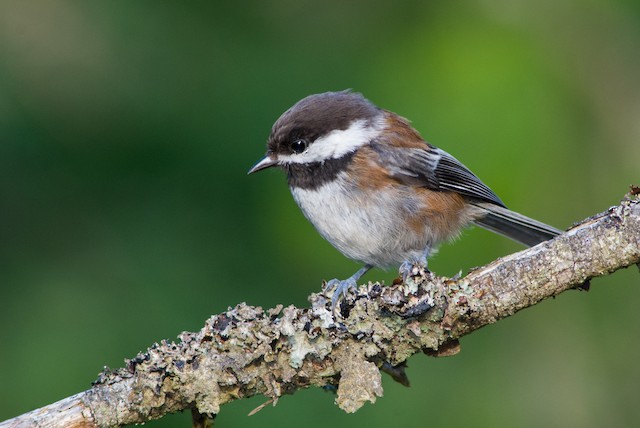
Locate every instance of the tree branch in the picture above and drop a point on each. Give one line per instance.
(247, 350)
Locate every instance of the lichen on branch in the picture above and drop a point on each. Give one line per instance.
(247, 350)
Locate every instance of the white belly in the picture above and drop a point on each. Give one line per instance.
(364, 227)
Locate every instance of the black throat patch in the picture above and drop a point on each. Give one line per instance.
(315, 174)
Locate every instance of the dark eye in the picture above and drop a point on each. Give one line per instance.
(299, 146)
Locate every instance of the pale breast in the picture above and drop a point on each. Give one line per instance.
(371, 227)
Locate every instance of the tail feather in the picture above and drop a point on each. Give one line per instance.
(513, 225)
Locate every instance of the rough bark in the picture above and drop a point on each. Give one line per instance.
(247, 350)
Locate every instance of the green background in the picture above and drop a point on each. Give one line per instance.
(126, 215)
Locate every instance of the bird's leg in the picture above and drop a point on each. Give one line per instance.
(343, 286)
(407, 266)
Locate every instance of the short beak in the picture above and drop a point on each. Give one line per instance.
(264, 163)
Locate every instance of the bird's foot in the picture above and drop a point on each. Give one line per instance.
(408, 269)
(342, 288)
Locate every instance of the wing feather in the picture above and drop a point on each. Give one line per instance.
(435, 169)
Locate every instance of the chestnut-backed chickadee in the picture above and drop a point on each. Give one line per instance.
(376, 190)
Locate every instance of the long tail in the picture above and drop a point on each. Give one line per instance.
(513, 225)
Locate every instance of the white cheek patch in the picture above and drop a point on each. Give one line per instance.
(337, 143)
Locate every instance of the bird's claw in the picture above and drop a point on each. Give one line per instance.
(342, 288)
(406, 269)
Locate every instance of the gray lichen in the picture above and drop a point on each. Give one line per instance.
(247, 351)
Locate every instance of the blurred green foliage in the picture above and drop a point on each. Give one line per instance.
(126, 216)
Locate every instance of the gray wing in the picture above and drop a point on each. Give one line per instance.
(435, 169)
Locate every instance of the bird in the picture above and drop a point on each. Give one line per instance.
(376, 190)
